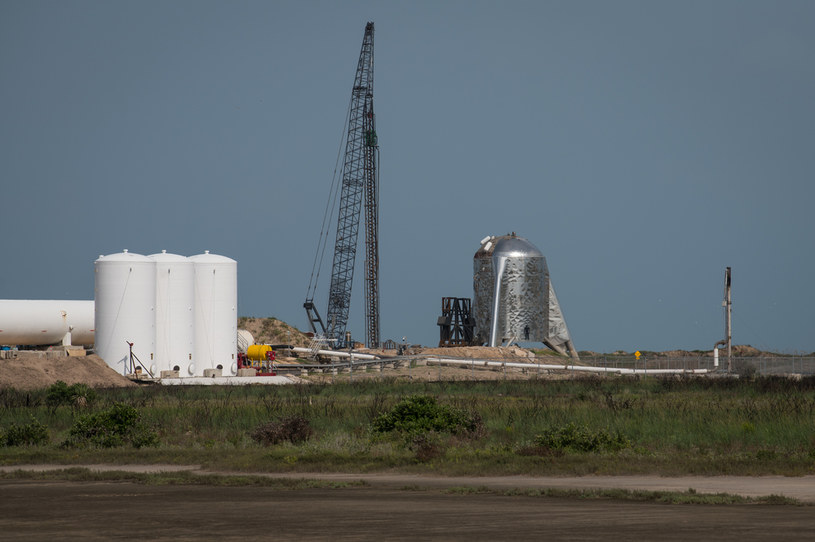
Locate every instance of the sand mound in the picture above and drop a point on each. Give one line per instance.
(34, 370)
(273, 331)
(513, 353)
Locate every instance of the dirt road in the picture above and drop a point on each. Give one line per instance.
(801, 488)
(385, 509)
(105, 511)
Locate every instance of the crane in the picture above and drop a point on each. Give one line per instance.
(360, 188)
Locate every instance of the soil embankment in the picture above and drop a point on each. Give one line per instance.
(35, 370)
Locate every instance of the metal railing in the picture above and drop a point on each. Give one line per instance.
(764, 365)
(745, 366)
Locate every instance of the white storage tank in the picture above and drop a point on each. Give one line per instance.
(125, 294)
(245, 340)
(216, 314)
(38, 322)
(174, 312)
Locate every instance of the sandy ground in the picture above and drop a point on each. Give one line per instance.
(33, 510)
(36, 370)
(33, 370)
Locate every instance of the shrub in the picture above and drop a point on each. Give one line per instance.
(58, 394)
(116, 426)
(76, 395)
(766, 455)
(32, 434)
(426, 446)
(13, 398)
(746, 370)
(581, 439)
(539, 451)
(295, 429)
(422, 413)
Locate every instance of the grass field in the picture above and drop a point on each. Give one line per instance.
(583, 426)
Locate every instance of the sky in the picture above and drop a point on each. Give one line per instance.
(642, 146)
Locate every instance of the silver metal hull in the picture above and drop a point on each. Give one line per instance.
(521, 305)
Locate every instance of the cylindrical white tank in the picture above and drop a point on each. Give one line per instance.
(216, 314)
(174, 312)
(125, 295)
(245, 340)
(36, 322)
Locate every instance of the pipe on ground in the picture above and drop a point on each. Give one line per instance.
(335, 353)
(576, 368)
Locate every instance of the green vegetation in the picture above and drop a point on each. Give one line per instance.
(422, 414)
(581, 439)
(294, 429)
(118, 425)
(75, 396)
(665, 497)
(31, 434)
(672, 426)
(178, 478)
(191, 478)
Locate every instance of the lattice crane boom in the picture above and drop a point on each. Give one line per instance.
(359, 189)
(372, 338)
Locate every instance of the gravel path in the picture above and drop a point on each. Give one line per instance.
(801, 488)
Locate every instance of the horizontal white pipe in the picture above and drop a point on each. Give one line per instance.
(336, 353)
(226, 380)
(580, 368)
(33, 322)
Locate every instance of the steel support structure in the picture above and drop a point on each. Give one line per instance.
(372, 338)
(456, 323)
(359, 181)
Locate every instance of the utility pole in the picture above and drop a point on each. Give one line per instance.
(728, 334)
(727, 330)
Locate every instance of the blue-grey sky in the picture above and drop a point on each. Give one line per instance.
(643, 146)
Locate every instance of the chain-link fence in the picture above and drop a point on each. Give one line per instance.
(775, 365)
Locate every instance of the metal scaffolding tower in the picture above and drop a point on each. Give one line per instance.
(360, 180)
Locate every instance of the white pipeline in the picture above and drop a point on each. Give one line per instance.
(335, 353)
(577, 368)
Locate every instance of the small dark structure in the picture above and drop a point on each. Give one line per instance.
(456, 323)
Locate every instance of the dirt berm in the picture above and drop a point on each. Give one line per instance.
(35, 370)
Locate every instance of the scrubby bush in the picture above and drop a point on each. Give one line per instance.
(426, 446)
(422, 414)
(294, 429)
(76, 395)
(14, 398)
(31, 434)
(118, 425)
(581, 439)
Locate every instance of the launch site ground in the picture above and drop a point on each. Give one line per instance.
(384, 509)
(751, 475)
(34, 370)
